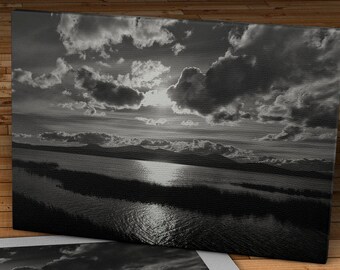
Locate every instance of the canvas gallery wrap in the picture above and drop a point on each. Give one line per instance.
(200, 135)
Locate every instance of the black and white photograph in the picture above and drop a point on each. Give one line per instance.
(100, 256)
(201, 135)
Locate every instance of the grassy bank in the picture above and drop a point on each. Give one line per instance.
(289, 191)
(304, 213)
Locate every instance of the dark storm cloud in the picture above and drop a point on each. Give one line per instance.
(103, 89)
(260, 60)
(225, 116)
(271, 118)
(314, 113)
(81, 138)
(313, 105)
(310, 106)
(229, 116)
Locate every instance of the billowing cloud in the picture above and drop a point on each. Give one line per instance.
(81, 138)
(199, 147)
(77, 105)
(190, 93)
(144, 74)
(155, 143)
(305, 164)
(104, 90)
(313, 105)
(177, 48)
(263, 60)
(43, 81)
(297, 133)
(66, 93)
(189, 123)
(80, 33)
(205, 147)
(230, 114)
(151, 121)
(289, 132)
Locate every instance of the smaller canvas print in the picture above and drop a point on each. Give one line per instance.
(99, 256)
(192, 134)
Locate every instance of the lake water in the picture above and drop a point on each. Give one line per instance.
(170, 174)
(157, 224)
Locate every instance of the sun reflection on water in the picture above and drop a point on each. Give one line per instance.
(161, 173)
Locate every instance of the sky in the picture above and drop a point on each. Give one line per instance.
(101, 256)
(264, 93)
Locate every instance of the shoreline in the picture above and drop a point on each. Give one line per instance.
(304, 213)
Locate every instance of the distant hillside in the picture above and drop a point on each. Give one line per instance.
(161, 155)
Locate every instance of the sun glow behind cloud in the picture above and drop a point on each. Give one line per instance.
(158, 98)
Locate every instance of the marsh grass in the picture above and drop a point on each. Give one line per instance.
(301, 212)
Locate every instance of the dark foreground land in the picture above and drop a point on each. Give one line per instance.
(301, 211)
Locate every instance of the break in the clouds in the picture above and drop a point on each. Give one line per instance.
(43, 81)
(82, 33)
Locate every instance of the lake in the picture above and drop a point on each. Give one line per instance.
(158, 224)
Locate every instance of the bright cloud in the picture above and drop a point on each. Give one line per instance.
(177, 48)
(189, 123)
(151, 121)
(144, 74)
(78, 37)
(43, 81)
